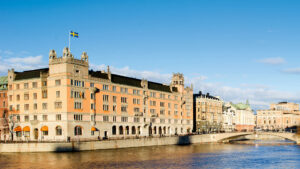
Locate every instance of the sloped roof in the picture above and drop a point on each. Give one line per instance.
(30, 74)
(124, 80)
(3, 80)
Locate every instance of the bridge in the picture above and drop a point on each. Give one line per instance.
(225, 137)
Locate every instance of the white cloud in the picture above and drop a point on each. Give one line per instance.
(272, 61)
(259, 96)
(31, 60)
(20, 63)
(292, 70)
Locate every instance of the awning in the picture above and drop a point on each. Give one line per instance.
(93, 129)
(27, 128)
(44, 128)
(18, 129)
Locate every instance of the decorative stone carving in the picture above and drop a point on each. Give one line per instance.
(52, 54)
(84, 57)
(67, 53)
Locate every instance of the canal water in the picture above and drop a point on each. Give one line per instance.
(260, 154)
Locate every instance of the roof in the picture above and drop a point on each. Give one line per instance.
(3, 83)
(241, 106)
(30, 74)
(200, 94)
(129, 81)
(3, 80)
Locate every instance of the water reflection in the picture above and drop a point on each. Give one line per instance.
(191, 156)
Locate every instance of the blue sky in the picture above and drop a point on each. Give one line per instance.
(235, 49)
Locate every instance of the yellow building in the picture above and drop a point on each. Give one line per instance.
(69, 101)
(279, 117)
(207, 113)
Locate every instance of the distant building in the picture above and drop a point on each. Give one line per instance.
(67, 101)
(4, 128)
(279, 117)
(207, 113)
(229, 117)
(244, 117)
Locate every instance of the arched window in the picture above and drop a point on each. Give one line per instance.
(58, 130)
(114, 130)
(77, 131)
(133, 130)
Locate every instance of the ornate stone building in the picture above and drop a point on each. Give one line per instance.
(244, 117)
(279, 117)
(207, 113)
(4, 130)
(69, 101)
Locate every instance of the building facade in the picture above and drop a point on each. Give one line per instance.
(244, 117)
(279, 117)
(67, 101)
(229, 117)
(207, 113)
(4, 128)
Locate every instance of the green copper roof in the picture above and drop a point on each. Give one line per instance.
(3, 83)
(241, 106)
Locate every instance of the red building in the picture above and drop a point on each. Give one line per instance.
(4, 128)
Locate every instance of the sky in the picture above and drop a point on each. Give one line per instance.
(234, 49)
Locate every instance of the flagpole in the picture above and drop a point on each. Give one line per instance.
(69, 41)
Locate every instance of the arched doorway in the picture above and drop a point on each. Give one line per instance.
(114, 130)
(121, 130)
(36, 133)
(154, 130)
(165, 130)
(133, 131)
(150, 130)
(159, 131)
(127, 130)
(77, 131)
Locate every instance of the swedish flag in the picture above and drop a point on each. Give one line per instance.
(74, 34)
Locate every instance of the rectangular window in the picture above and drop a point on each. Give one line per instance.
(152, 111)
(10, 97)
(124, 109)
(45, 117)
(58, 105)
(44, 83)
(115, 99)
(18, 97)
(105, 87)
(44, 94)
(92, 84)
(34, 84)
(114, 119)
(105, 118)
(92, 96)
(92, 106)
(124, 119)
(57, 94)
(58, 117)
(78, 117)
(35, 117)
(34, 106)
(73, 83)
(57, 82)
(114, 88)
(114, 108)
(77, 105)
(123, 100)
(105, 107)
(25, 85)
(26, 107)
(18, 86)
(169, 105)
(18, 118)
(26, 96)
(136, 110)
(105, 98)
(162, 104)
(136, 119)
(18, 107)
(44, 105)
(35, 96)
(162, 112)
(26, 118)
